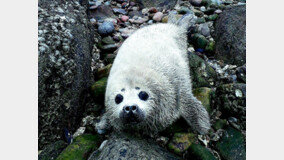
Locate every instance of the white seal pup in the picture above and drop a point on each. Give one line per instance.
(149, 84)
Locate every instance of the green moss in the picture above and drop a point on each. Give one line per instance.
(200, 20)
(203, 94)
(198, 152)
(210, 48)
(98, 89)
(199, 41)
(213, 17)
(219, 124)
(103, 72)
(181, 142)
(179, 126)
(232, 145)
(81, 148)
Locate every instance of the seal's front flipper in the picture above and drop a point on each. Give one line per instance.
(196, 116)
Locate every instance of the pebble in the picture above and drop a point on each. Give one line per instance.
(124, 18)
(119, 10)
(106, 28)
(158, 16)
(204, 29)
(195, 2)
(218, 11)
(202, 9)
(153, 10)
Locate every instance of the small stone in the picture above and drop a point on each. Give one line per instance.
(108, 40)
(119, 10)
(219, 124)
(204, 29)
(195, 2)
(165, 19)
(124, 18)
(158, 16)
(212, 17)
(153, 10)
(218, 11)
(181, 142)
(238, 93)
(202, 9)
(106, 28)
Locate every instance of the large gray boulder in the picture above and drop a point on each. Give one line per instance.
(64, 66)
(125, 146)
(230, 35)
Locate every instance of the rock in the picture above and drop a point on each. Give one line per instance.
(158, 16)
(212, 17)
(153, 10)
(103, 72)
(124, 18)
(165, 19)
(66, 49)
(108, 40)
(126, 146)
(119, 11)
(203, 94)
(210, 48)
(232, 145)
(200, 20)
(231, 100)
(241, 74)
(202, 9)
(198, 13)
(157, 3)
(204, 29)
(201, 73)
(195, 2)
(184, 10)
(178, 126)
(199, 41)
(230, 35)
(81, 147)
(181, 142)
(219, 124)
(106, 28)
(102, 12)
(199, 152)
(135, 13)
(98, 89)
(52, 151)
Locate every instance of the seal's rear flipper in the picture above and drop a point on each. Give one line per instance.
(196, 116)
(185, 22)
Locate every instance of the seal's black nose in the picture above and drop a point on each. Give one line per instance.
(131, 114)
(129, 109)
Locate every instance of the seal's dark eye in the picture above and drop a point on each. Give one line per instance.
(143, 95)
(118, 98)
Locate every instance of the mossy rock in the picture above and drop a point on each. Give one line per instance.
(181, 142)
(203, 94)
(98, 90)
(52, 151)
(200, 20)
(165, 19)
(199, 152)
(103, 72)
(232, 145)
(210, 48)
(212, 17)
(219, 124)
(199, 41)
(81, 148)
(108, 40)
(179, 126)
(202, 74)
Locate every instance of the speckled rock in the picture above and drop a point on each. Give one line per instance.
(123, 146)
(81, 148)
(230, 35)
(232, 145)
(202, 74)
(66, 40)
(231, 100)
(52, 151)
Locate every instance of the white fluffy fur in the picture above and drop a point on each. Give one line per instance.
(155, 59)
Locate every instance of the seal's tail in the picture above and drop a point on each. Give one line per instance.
(185, 22)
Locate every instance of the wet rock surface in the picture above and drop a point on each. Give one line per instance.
(78, 41)
(66, 39)
(230, 35)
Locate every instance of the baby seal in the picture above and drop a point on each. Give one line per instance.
(149, 84)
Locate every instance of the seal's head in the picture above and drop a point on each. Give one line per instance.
(137, 101)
